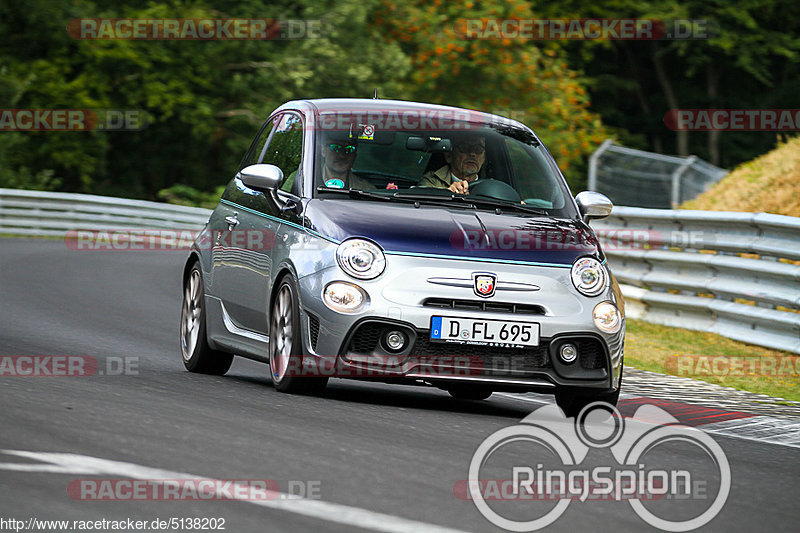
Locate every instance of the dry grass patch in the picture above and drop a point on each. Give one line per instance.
(770, 183)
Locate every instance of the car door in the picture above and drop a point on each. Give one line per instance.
(286, 152)
(243, 258)
(241, 249)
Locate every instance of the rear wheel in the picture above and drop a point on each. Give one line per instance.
(198, 356)
(285, 346)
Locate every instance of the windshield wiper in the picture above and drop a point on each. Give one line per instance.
(443, 201)
(502, 204)
(355, 193)
(469, 202)
(482, 200)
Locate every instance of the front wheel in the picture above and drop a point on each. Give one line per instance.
(198, 356)
(573, 403)
(285, 347)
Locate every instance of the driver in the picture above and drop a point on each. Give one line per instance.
(463, 165)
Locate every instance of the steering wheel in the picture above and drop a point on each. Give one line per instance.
(492, 188)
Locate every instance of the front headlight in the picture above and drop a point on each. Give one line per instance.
(589, 276)
(607, 317)
(361, 259)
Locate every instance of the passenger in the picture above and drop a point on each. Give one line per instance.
(463, 165)
(337, 171)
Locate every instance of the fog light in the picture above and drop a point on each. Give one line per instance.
(344, 297)
(395, 341)
(607, 317)
(568, 353)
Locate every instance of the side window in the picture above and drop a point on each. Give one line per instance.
(285, 150)
(256, 152)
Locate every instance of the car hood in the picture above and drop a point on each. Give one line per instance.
(453, 232)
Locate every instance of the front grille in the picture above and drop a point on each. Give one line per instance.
(484, 305)
(366, 338)
(591, 353)
(493, 360)
(313, 326)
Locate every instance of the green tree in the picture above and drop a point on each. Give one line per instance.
(204, 99)
(527, 80)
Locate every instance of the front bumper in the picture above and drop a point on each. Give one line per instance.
(404, 299)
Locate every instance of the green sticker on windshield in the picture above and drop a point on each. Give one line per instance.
(335, 184)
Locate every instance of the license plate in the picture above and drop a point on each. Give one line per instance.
(500, 333)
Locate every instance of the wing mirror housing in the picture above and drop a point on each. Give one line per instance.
(261, 176)
(593, 205)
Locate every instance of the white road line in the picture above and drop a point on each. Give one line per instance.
(49, 469)
(522, 398)
(327, 511)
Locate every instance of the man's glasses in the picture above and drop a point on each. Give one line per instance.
(342, 148)
(476, 148)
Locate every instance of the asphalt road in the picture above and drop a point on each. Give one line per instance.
(378, 457)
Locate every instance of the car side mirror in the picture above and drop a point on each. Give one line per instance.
(594, 205)
(261, 176)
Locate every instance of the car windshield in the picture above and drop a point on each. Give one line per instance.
(504, 165)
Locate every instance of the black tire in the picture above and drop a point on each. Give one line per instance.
(573, 403)
(198, 356)
(285, 345)
(469, 392)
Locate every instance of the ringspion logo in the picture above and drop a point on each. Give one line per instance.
(556, 447)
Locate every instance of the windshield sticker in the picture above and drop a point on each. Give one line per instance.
(368, 133)
(335, 184)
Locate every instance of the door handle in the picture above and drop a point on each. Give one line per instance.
(232, 221)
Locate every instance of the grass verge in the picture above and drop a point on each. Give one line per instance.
(767, 183)
(712, 358)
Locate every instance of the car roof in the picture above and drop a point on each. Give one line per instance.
(366, 105)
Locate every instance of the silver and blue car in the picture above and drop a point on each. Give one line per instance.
(405, 243)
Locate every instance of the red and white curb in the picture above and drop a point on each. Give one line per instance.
(712, 408)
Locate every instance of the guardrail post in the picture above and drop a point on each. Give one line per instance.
(676, 180)
(592, 182)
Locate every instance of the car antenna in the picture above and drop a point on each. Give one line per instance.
(375, 94)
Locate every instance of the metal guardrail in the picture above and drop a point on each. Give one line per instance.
(634, 177)
(40, 213)
(736, 274)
